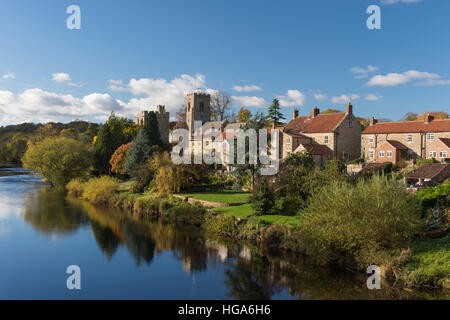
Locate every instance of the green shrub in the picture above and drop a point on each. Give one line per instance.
(430, 196)
(262, 198)
(76, 187)
(221, 225)
(356, 224)
(101, 190)
(422, 161)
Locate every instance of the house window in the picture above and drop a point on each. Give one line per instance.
(325, 140)
(433, 154)
(350, 124)
(430, 136)
(389, 154)
(381, 154)
(288, 140)
(371, 138)
(371, 154)
(443, 154)
(202, 106)
(409, 138)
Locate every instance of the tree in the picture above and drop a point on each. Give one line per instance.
(118, 159)
(58, 160)
(152, 130)
(257, 122)
(262, 198)
(274, 112)
(220, 105)
(180, 117)
(244, 114)
(110, 137)
(138, 152)
(410, 116)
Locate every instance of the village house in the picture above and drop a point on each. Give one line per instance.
(405, 140)
(324, 136)
(428, 175)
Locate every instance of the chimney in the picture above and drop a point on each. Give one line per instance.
(373, 121)
(429, 118)
(315, 111)
(295, 114)
(349, 108)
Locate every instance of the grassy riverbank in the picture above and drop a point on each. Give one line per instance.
(417, 263)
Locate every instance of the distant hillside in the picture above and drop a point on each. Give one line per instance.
(14, 139)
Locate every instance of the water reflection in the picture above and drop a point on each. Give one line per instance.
(248, 272)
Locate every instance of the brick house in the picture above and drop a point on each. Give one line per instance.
(339, 135)
(439, 149)
(391, 151)
(416, 136)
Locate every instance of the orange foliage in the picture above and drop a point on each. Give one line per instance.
(118, 159)
(437, 115)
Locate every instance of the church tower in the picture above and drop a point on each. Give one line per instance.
(198, 107)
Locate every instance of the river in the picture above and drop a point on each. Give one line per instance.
(42, 232)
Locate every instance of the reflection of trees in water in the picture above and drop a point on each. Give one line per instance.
(106, 239)
(250, 272)
(48, 212)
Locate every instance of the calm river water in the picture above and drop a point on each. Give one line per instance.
(42, 232)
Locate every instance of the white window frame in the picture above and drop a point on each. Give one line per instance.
(432, 154)
(443, 154)
(371, 154)
(371, 138)
(430, 136)
(326, 140)
(288, 140)
(381, 154)
(389, 154)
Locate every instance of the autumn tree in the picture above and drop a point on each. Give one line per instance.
(244, 114)
(58, 160)
(118, 159)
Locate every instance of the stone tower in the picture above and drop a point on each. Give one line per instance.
(198, 107)
(163, 122)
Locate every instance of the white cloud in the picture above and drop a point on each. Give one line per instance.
(249, 101)
(395, 79)
(319, 96)
(397, 1)
(363, 72)
(345, 98)
(37, 105)
(61, 77)
(292, 98)
(9, 75)
(247, 88)
(373, 97)
(116, 85)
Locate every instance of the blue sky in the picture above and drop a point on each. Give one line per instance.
(132, 55)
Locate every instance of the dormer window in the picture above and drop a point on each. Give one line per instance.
(430, 136)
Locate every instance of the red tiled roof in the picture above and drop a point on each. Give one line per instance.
(428, 170)
(397, 145)
(409, 126)
(445, 141)
(322, 123)
(317, 149)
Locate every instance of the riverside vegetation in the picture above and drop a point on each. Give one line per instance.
(333, 218)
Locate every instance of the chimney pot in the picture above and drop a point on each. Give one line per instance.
(295, 114)
(349, 108)
(373, 121)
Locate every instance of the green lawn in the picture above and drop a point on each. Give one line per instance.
(291, 221)
(430, 261)
(221, 196)
(242, 211)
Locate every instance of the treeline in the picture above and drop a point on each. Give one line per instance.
(15, 139)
